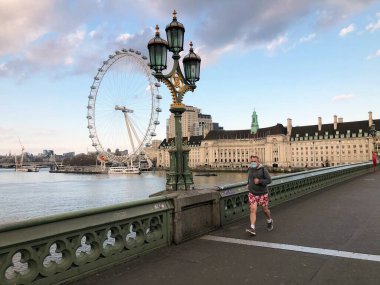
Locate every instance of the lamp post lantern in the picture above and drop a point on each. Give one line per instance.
(179, 176)
(373, 132)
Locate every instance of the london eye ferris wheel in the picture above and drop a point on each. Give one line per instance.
(123, 106)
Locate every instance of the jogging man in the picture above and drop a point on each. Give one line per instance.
(258, 179)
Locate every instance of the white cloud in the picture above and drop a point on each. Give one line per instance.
(92, 33)
(36, 36)
(75, 38)
(307, 38)
(375, 25)
(274, 44)
(124, 37)
(69, 60)
(3, 67)
(342, 97)
(372, 56)
(345, 31)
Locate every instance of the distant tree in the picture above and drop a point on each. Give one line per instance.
(82, 160)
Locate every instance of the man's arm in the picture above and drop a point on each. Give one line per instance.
(266, 179)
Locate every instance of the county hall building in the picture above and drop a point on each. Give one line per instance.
(287, 146)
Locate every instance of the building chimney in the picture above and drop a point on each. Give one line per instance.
(289, 127)
(335, 122)
(370, 121)
(319, 124)
(340, 120)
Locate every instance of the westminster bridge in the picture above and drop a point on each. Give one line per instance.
(327, 231)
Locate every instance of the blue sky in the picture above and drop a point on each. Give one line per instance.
(285, 59)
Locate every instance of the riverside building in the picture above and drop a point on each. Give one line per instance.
(194, 123)
(282, 146)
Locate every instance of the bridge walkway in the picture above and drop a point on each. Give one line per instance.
(327, 237)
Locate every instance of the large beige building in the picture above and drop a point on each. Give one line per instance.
(316, 145)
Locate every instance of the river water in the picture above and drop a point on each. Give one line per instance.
(27, 195)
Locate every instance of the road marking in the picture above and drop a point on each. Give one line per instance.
(314, 250)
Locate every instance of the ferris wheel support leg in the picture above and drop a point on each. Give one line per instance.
(134, 132)
(129, 131)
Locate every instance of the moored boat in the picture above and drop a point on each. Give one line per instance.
(124, 170)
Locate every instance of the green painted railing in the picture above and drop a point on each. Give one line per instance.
(61, 248)
(234, 198)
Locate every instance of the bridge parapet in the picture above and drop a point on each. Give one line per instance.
(234, 199)
(57, 249)
(64, 247)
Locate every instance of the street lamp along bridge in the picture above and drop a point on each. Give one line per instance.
(374, 133)
(179, 176)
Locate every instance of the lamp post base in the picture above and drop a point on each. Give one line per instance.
(177, 180)
(179, 176)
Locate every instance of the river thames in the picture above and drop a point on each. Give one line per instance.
(27, 195)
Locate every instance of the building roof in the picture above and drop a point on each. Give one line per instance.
(200, 115)
(353, 127)
(278, 129)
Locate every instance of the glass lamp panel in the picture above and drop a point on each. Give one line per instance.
(197, 70)
(169, 38)
(152, 57)
(164, 56)
(180, 40)
(158, 57)
(175, 39)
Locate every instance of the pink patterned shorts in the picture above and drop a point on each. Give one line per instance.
(261, 200)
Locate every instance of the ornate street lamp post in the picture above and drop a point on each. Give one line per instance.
(179, 176)
(372, 132)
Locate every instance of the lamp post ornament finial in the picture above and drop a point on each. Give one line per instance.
(174, 15)
(157, 30)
